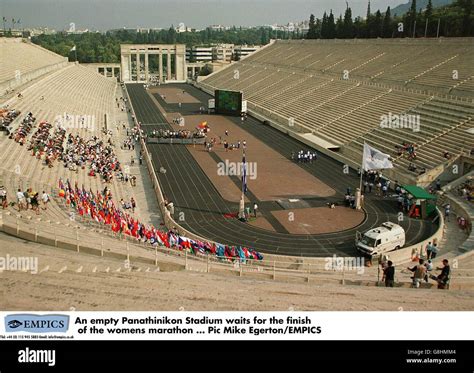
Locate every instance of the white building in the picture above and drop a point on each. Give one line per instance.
(241, 51)
(199, 54)
(223, 52)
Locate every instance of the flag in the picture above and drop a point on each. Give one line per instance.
(244, 175)
(373, 159)
(73, 49)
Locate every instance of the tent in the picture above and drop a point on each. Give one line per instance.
(422, 207)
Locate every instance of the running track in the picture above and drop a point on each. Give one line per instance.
(202, 207)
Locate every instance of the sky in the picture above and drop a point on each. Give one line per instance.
(109, 14)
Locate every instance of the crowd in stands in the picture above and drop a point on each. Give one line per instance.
(23, 129)
(100, 207)
(466, 190)
(100, 156)
(408, 149)
(46, 145)
(7, 116)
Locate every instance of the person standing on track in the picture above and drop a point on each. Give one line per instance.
(255, 208)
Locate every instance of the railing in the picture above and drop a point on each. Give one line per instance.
(134, 254)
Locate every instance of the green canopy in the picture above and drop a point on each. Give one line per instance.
(417, 192)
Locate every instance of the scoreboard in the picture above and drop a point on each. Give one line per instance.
(228, 102)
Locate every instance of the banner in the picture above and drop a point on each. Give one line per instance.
(183, 325)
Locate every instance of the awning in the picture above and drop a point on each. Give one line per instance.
(417, 192)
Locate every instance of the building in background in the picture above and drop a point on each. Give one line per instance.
(241, 51)
(199, 54)
(223, 52)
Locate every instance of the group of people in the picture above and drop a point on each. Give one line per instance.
(421, 272)
(373, 180)
(466, 190)
(179, 121)
(181, 134)
(122, 103)
(7, 116)
(99, 155)
(304, 156)
(29, 198)
(24, 129)
(100, 207)
(46, 145)
(407, 148)
(237, 145)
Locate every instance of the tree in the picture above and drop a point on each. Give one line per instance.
(340, 28)
(324, 27)
(412, 18)
(377, 24)
(387, 24)
(331, 26)
(467, 7)
(312, 28)
(368, 22)
(348, 25)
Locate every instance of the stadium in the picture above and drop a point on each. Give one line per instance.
(144, 190)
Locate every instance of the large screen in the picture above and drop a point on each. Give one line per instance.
(228, 102)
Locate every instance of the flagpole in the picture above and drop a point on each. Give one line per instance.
(361, 168)
(244, 181)
(358, 193)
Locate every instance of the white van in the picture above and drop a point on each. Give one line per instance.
(388, 237)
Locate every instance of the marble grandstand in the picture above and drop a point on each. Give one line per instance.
(300, 80)
(334, 95)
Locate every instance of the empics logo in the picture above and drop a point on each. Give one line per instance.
(37, 323)
(14, 324)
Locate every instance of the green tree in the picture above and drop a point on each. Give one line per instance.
(387, 24)
(324, 26)
(377, 24)
(312, 28)
(368, 22)
(331, 26)
(467, 7)
(348, 24)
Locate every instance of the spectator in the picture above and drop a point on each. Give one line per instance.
(3, 197)
(429, 250)
(20, 198)
(255, 208)
(389, 274)
(447, 211)
(419, 272)
(445, 276)
(45, 199)
(434, 250)
(429, 268)
(35, 203)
